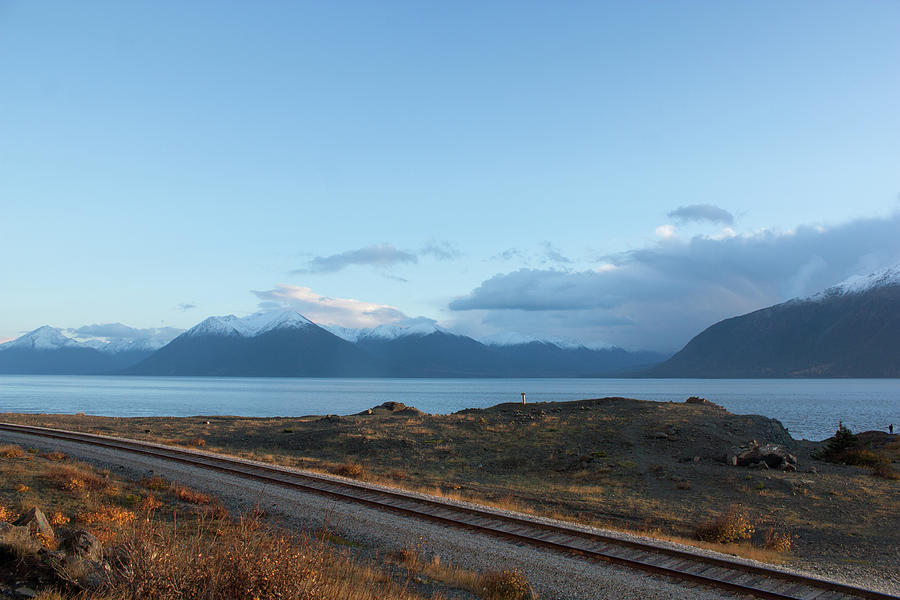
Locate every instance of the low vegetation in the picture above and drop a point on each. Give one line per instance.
(848, 449)
(162, 540)
(646, 467)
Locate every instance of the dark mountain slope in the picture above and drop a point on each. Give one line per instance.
(835, 334)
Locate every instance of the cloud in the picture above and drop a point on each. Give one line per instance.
(378, 255)
(440, 250)
(659, 296)
(118, 331)
(186, 306)
(552, 255)
(546, 254)
(344, 312)
(702, 212)
(666, 232)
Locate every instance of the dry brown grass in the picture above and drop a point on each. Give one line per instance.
(240, 561)
(885, 471)
(105, 514)
(11, 451)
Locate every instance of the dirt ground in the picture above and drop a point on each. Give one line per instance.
(650, 467)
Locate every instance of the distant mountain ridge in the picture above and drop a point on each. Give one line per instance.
(287, 344)
(848, 330)
(47, 351)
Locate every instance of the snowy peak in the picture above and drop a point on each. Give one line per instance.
(512, 338)
(857, 284)
(42, 338)
(418, 327)
(407, 328)
(250, 326)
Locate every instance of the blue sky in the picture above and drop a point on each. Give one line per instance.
(518, 166)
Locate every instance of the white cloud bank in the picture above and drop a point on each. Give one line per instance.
(343, 312)
(660, 296)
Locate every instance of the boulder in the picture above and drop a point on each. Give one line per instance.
(36, 522)
(774, 456)
(82, 543)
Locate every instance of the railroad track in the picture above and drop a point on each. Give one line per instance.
(718, 573)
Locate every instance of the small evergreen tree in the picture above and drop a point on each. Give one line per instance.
(842, 441)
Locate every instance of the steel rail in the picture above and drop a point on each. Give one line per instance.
(720, 573)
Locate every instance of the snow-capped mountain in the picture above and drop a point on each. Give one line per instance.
(858, 284)
(42, 338)
(267, 344)
(389, 331)
(47, 350)
(285, 343)
(249, 326)
(848, 330)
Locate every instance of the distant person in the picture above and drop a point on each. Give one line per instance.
(891, 429)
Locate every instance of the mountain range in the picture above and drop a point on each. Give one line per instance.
(286, 344)
(849, 330)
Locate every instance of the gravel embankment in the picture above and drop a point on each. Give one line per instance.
(554, 575)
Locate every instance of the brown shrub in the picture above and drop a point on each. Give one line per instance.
(505, 585)
(105, 514)
(885, 471)
(148, 504)
(777, 541)
(199, 442)
(11, 451)
(157, 483)
(73, 479)
(6, 514)
(862, 458)
(58, 519)
(349, 469)
(397, 474)
(731, 526)
(192, 496)
(21, 488)
(54, 456)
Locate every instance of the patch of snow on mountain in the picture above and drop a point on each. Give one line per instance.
(858, 284)
(251, 325)
(346, 333)
(42, 338)
(420, 326)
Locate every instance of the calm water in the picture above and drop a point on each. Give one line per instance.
(808, 408)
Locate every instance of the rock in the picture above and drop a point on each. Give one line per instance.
(36, 522)
(697, 400)
(661, 435)
(774, 455)
(696, 459)
(23, 591)
(82, 543)
(812, 470)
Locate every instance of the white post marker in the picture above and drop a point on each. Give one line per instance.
(523, 397)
